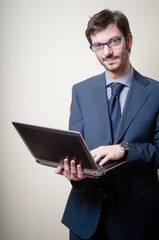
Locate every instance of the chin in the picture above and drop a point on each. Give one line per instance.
(112, 68)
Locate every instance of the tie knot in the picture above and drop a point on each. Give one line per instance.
(116, 88)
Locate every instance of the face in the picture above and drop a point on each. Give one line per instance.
(115, 60)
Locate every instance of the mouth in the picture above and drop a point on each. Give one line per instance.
(110, 59)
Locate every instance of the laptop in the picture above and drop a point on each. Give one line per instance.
(50, 146)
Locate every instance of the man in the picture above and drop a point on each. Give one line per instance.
(124, 203)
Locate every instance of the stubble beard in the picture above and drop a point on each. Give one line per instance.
(115, 67)
(111, 67)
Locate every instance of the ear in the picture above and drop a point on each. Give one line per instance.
(129, 41)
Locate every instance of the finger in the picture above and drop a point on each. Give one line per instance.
(80, 171)
(59, 170)
(104, 160)
(81, 175)
(73, 166)
(66, 164)
(93, 153)
(97, 157)
(67, 171)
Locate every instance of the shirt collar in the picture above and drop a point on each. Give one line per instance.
(126, 80)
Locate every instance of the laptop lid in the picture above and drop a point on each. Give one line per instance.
(50, 146)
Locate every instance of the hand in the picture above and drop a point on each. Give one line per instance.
(72, 171)
(107, 153)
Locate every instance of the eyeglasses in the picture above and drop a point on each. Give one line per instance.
(114, 42)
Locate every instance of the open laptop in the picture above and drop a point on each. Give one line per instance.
(50, 146)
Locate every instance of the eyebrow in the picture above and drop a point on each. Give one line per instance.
(106, 41)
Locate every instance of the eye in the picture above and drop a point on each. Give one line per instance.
(97, 47)
(114, 42)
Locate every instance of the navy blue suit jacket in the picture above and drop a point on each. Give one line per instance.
(137, 181)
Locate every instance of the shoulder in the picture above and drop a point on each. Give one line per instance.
(146, 81)
(90, 82)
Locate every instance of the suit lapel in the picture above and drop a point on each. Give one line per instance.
(136, 97)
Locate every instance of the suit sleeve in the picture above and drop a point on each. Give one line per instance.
(76, 124)
(76, 117)
(145, 153)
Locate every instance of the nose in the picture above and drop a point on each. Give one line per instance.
(107, 51)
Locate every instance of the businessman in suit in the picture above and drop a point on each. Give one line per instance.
(124, 203)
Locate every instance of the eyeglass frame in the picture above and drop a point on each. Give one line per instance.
(106, 43)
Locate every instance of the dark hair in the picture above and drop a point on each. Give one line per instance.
(102, 19)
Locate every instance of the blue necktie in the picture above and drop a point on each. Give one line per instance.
(114, 107)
